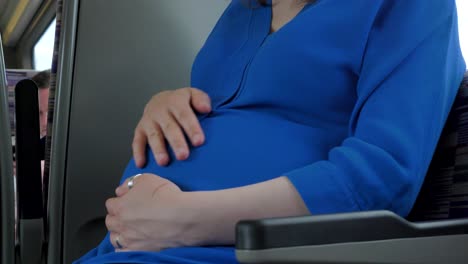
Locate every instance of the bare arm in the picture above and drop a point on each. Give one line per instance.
(217, 212)
(155, 214)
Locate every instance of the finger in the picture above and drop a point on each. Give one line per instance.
(113, 224)
(139, 147)
(112, 206)
(124, 187)
(124, 250)
(110, 223)
(157, 144)
(120, 245)
(112, 238)
(189, 122)
(174, 135)
(200, 101)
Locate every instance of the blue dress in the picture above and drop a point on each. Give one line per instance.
(347, 100)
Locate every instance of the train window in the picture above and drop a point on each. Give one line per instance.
(44, 48)
(463, 25)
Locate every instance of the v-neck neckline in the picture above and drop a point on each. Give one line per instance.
(270, 18)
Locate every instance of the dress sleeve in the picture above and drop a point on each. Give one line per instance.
(411, 70)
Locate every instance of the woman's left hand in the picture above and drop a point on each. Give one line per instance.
(152, 216)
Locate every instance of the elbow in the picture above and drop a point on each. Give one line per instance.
(404, 196)
(401, 191)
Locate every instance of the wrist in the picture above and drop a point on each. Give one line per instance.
(197, 219)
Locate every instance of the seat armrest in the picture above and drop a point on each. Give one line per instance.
(338, 228)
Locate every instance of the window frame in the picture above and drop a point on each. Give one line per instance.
(35, 30)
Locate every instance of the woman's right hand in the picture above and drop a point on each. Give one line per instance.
(168, 116)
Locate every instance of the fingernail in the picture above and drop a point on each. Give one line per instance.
(161, 158)
(181, 153)
(197, 139)
(139, 162)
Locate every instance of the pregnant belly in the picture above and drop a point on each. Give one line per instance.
(245, 147)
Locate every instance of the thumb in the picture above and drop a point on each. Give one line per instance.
(122, 189)
(200, 101)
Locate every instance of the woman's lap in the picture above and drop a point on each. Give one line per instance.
(105, 253)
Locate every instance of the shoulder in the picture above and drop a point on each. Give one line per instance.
(394, 12)
(414, 12)
(409, 22)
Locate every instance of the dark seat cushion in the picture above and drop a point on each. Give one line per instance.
(444, 194)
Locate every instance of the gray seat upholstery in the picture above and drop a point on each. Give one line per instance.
(107, 69)
(435, 232)
(7, 212)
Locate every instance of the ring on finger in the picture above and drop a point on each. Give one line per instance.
(131, 182)
(117, 242)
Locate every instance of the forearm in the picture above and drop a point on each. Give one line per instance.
(217, 212)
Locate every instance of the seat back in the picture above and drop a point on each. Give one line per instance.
(13, 77)
(444, 194)
(109, 66)
(30, 223)
(7, 204)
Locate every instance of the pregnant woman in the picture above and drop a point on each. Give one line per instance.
(297, 108)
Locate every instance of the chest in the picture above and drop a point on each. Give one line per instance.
(307, 67)
(283, 12)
